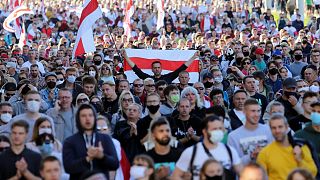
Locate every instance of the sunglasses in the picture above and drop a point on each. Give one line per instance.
(138, 85)
(247, 63)
(150, 85)
(102, 128)
(127, 100)
(105, 68)
(160, 89)
(200, 88)
(82, 100)
(60, 79)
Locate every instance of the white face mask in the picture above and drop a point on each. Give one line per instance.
(314, 88)
(137, 172)
(33, 106)
(6, 117)
(303, 89)
(92, 73)
(45, 130)
(216, 136)
(218, 79)
(59, 82)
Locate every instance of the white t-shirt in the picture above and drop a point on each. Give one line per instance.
(220, 153)
(40, 66)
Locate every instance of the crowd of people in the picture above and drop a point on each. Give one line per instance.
(254, 113)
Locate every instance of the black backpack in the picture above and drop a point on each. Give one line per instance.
(228, 173)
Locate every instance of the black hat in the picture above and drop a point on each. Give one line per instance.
(289, 83)
(10, 86)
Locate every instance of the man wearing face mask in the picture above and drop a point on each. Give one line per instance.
(172, 95)
(97, 60)
(251, 137)
(192, 159)
(69, 83)
(6, 112)
(164, 155)
(300, 121)
(153, 106)
(298, 64)
(312, 131)
(33, 102)
(50, 93)
(290, 98)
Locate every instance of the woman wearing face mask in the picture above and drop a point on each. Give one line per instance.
(212, 170)
(44, 142)
(93, 72)
(143, 168)
(97, 104)
(315, 87)
(106, 74)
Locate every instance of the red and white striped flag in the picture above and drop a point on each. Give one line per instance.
(84, 41)
(19, 11)
(127, 18)
(160, 6)
(170, 61)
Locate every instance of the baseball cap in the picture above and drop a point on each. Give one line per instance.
(10, 86)
(207, 75)
(259, 51)
(277, 52)
(11, 65)
(289, 83)
(50, 74)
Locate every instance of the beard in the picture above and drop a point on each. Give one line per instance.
(163, 141)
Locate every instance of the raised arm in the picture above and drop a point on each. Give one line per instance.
(131, 63)
(187, 63)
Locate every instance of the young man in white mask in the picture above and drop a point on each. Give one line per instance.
(6, 112)
(32, 101)
(211, 147)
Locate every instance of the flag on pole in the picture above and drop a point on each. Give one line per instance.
(84, 41)
(160, 7)
(170, 61)
(21, 10)
(127, 18)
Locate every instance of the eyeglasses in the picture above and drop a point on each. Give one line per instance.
(104, 68)
(247, 63)
(150, 85)
(102, 128)
(82, 100)
(138, 85)
(127, 100)
(200, 88)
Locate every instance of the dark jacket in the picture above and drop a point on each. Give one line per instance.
(75, 152)
(167, 77)
(308, 133)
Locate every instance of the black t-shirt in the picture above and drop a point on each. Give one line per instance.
(168, 160)
(180, 128)
(111, 107)
(8, 162)
(289, 112)
(262, 100)
(298, 122)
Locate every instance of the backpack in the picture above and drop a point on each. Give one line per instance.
(228, 173)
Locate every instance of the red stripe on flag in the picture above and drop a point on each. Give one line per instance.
(144, 63)
(92, 6)
(80, 48)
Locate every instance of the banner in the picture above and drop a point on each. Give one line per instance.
(170, 61)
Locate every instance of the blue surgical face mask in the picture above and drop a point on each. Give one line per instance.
(315, 118)
(46, 148)
(71, 79)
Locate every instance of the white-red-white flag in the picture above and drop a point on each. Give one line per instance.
(84, 41)
(19, 11)
(170, 60)
(160, 7)
(23, 37)
(127, 18)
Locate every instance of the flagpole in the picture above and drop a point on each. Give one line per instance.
(114, 43)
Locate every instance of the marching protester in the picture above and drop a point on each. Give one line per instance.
(151, 74)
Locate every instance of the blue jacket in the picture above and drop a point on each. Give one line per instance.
(74, 156)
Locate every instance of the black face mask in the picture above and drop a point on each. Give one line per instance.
(51, 84)
(208, 84)
(273, 71)
(229, 58)
(153, 109)
(298, 57)
(246, 53)
(288, 94)
(213, 177)
(238, 60)
(97, 63)
(304, 41)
